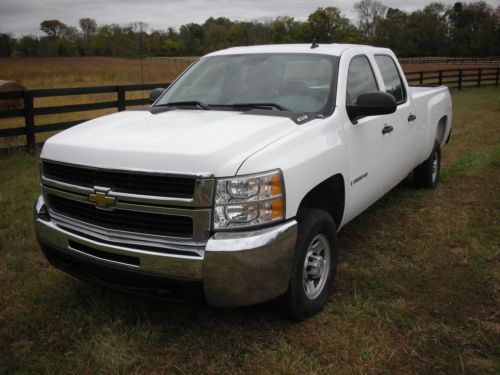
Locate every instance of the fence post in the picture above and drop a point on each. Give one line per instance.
(498, 75)
(421, 78)
(29, 120)
(460, 79)
(440, 77)
(480, 71)
(121, 98)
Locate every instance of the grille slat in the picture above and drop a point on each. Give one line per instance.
(129, 182)
(125, 220)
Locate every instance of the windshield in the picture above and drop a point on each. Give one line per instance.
(291, 82)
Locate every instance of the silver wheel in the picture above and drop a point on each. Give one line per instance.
(316, 266)
(435, 166)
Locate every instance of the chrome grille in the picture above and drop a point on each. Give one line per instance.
(126, 182)
(125, 220)
(172, 220)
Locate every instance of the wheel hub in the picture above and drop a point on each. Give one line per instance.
(435, 166)
(316, 266)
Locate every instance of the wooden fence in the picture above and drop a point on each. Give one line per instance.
(451, 60)
(453, 78)
(29, 111)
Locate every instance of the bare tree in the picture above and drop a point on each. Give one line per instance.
(368, 12)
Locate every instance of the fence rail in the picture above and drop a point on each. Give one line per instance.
(29, 111)
(453, 78)
(493, 60)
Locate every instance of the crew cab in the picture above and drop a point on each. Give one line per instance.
(231, 187)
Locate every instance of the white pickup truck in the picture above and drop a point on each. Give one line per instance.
(232, 186)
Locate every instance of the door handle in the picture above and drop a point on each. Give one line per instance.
(387, 129)
(412, 117)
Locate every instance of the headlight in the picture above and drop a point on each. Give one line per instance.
(249, 200)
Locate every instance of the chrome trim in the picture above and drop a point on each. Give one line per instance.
(203, 194)
(245, 268)
(166, 264)
(125, 237)
(201, 219)
(101, 259)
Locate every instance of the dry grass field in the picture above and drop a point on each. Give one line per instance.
(56, 72)
(418, 285)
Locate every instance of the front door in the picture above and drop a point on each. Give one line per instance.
(370, 164)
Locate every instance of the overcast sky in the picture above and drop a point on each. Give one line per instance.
(21, 17)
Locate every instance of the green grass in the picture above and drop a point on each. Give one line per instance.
(418, 288)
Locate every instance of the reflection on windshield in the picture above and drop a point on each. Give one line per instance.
(296, 82)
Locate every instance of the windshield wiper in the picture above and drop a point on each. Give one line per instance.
(192, 103)
(255, 105)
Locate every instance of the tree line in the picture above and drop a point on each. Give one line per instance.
(463, 29)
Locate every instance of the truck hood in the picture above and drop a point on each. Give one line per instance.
(176, 141)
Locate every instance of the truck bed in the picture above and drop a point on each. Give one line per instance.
(433, 109)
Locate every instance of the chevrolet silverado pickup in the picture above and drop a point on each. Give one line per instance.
(231, 187)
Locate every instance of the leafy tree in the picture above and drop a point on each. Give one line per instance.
(238, 34)
(324, 23)
(53, 28)
(472, 29)
(328, 25)
(27, 46)
(6, 45)
(284, 30)
(155, 41)
(427, 31)
(192, 37)
(171, 47)
(391, 32)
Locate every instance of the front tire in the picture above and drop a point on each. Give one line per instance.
(427, 174)
(315, 263)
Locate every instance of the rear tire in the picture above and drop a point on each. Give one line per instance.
(427, 174)
(315, 263)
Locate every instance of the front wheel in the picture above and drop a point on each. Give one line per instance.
(314, 268)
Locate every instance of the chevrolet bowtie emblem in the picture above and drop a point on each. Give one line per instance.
(101, 199)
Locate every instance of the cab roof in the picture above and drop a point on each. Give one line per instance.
(334, 49)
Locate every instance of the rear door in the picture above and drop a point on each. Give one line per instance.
(403, 138)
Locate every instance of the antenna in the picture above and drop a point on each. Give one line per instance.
(141, 46)
(314, 44)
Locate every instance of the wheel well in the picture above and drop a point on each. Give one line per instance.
(328, 196)
(441, 129)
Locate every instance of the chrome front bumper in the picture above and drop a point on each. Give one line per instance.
(235, 268)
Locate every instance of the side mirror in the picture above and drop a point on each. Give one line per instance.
(372, 104)
(155, 94)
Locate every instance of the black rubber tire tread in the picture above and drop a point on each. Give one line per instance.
(423, 173)
(294, 304)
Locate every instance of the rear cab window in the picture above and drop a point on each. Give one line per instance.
(392, 80)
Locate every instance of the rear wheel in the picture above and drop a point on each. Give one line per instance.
(427, 173)
(314, 267)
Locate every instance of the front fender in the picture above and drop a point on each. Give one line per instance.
(307, 157)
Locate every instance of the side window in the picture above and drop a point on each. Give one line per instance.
(360, 78)
(392, 80)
